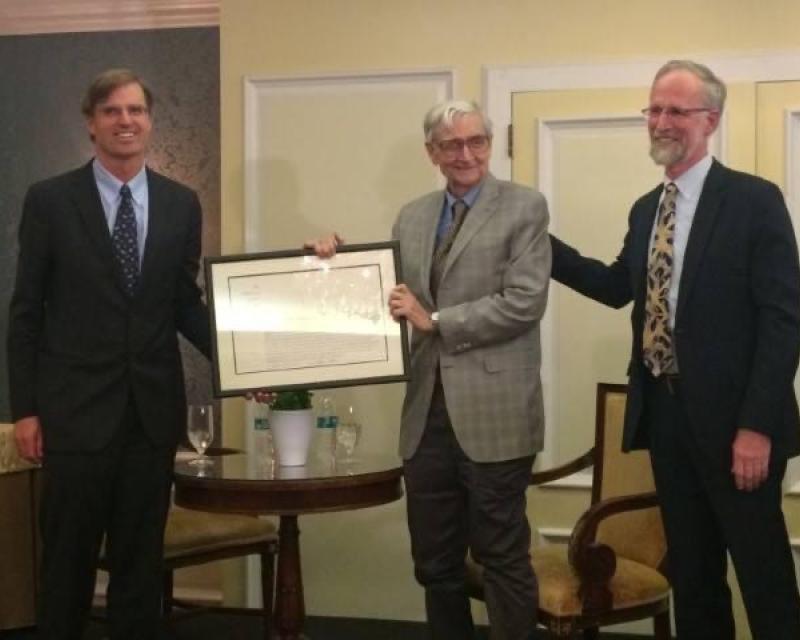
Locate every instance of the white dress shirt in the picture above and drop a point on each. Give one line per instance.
(690, 186)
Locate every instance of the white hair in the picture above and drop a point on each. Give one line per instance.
(444, 113)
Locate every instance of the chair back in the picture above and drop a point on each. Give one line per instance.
(636, 535)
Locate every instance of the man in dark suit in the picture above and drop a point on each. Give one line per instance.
(105, 279)
(711, 265)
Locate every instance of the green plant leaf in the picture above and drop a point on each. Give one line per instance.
(292, 400)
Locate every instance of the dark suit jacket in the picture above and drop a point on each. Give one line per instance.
(737, 327)
(78, 347)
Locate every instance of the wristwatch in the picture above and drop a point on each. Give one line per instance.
(435, 322)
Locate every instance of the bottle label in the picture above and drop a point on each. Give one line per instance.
(261, 424)
(327, 422)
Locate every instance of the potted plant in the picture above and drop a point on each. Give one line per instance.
(292, 424)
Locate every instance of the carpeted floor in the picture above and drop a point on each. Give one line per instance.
(245, 627)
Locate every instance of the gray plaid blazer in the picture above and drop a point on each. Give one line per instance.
(492, 296)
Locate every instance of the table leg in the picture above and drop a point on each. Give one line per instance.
(290, 610)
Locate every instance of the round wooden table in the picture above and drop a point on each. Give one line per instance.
(238, 484)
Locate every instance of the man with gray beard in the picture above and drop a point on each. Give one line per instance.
(710, 263)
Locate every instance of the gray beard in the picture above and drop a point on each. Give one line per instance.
(666, 154)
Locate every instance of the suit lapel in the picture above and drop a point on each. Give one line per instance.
(157, 230)
(87, 200)
(640, 242)
(427, 239)
(485, 207)
(704, 219)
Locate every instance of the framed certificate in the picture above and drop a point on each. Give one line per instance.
(288, 320)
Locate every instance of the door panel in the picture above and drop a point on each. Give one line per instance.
(586, 150)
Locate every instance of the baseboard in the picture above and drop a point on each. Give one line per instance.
(204, 597)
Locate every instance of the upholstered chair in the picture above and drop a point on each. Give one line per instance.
(197, 537)
(19, 546)
(612, 568)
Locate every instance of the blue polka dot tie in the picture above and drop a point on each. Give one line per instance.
(123, 240)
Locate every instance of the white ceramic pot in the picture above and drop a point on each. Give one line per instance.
(291, 435)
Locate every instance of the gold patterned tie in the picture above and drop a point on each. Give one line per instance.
(459, 212)
(657, 339)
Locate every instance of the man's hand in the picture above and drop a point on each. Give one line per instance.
(324, 247)
(404, 304)
(28, 438)
(751, 451)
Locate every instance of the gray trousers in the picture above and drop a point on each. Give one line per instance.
(455, 504)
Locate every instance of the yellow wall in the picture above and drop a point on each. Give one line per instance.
(313, 36)
(297, 37)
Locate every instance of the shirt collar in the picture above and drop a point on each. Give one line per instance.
(137, 184)
(690, 182)
(469, 197)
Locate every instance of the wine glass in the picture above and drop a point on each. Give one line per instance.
(200, 429)
(348, 433)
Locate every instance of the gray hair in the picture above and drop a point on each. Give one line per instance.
(445, 113)
(714, 88)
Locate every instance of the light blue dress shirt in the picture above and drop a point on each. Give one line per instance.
(108, 185)
(447, 208)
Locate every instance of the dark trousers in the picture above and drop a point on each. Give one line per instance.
(122, 492)
(705, 515)
(455, 504)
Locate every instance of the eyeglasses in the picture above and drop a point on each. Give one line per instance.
(673, 113)
(453, 146)
(134, 110)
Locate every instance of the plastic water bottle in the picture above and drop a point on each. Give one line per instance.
(327, 422)
(349, 433)
(262, 435)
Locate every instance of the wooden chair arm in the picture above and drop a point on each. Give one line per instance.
(548, 475)
(596, 563)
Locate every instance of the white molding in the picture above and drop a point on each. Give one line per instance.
(501, 82)
(547, 127)
(791, 483)
(188, 594)
(579, 480)
(260, 88)
(791, 181)
(547, 130)
(19, 17)
(791, 153)
(554, 535)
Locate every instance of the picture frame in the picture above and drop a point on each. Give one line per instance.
(284, 320)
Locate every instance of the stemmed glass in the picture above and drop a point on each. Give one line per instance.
(348, 433)
(200, 429)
